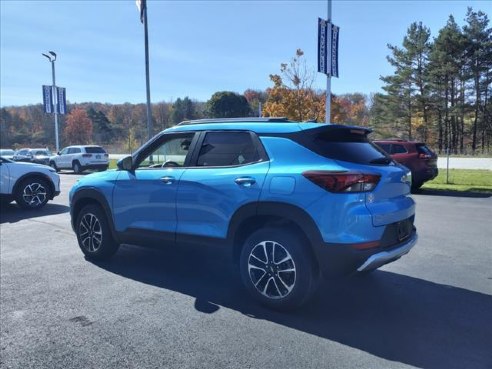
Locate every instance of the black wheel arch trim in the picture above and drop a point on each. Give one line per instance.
(286, 211)
(35, 175)
(92, 195)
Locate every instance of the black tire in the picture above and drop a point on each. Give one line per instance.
(53, 165)
(77, 168)
(94, 235)
(32, 193)
(279, 285)
(416, 186)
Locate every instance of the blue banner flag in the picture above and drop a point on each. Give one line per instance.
(48, 99)
(322, 46)
(335, 31)
(62, 100)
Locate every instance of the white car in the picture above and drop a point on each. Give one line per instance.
(30, 185)
(80, 157)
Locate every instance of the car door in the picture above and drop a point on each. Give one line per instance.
(227, 172)
(144, 199)
(61, 158)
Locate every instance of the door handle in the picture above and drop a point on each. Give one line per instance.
(168, 180)
(245, 181)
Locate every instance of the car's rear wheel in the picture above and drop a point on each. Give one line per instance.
(94, 235)
(276, 268)
(32, 193)
(77, 168)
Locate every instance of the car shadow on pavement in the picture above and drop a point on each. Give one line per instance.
(392, 316)
(11, 213)
(469, 194)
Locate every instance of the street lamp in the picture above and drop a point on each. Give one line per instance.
(52, 57)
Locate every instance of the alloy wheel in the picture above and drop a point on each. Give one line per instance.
(34, 194)
(90, 232)
(272, 269)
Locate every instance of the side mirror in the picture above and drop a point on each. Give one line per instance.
(58, 153)
(125, 163)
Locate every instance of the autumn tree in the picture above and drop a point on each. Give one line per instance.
(256, 100)
(292, 95)
(78, 128)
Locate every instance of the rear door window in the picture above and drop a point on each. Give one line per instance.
(398, 149)
(227, 149)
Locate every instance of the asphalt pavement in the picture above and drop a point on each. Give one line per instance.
(186, 308)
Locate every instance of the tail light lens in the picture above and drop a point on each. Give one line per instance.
(106, 155)
(424, 156)
(86, 155)
(343, 181)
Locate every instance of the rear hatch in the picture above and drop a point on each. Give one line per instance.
(96, 155)
(389, 201)
(427, 154)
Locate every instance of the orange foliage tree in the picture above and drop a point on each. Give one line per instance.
(78, 128)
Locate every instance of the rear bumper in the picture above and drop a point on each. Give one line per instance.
(385, 257)
(342, 259)
(96, 166)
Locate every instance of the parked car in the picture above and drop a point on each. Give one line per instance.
(38, 156)
(30, 185)
(7, 153)
(22, 155)
(416, 156)
(289, 202)
(80, 157)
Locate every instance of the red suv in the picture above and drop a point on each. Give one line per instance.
(416, 156)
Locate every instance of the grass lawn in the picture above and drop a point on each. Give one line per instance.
(462, 180)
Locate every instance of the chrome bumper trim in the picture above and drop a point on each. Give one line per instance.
(384, 257)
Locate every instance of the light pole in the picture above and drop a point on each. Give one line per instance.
(52, 57)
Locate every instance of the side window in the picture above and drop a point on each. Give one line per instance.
(76, 150)
(385, 147)
(226, 149)
(398, 149)
(171, 152)
(64, 151)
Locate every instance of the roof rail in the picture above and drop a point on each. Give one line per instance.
(235, 120)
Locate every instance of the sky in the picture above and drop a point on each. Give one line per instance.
(197, 47)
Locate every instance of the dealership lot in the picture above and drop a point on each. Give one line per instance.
(186, 308)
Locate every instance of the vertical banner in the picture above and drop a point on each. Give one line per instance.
(322, 46)
(62, 100)
(48, 99)
(334, 50)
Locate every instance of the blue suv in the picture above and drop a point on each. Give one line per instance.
(291, 202)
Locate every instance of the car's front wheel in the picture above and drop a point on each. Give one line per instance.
(53, 165)
(277, 269)
(94, 235)
(32, 193)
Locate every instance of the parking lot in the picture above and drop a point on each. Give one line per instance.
(186, 308)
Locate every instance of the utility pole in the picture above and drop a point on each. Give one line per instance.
(147, 78)
(328, 76)
(52, 57)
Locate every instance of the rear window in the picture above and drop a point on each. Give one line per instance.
(422, 149)
(95, 150)
(347, 145)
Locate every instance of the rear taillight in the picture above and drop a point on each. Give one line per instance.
(86, 155)
(424, 156)
(106, 155)
(343, 181)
